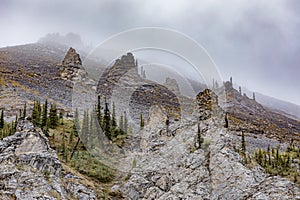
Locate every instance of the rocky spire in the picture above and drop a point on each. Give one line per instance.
(72, 58)
(72, 68)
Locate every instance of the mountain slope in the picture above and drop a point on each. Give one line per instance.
(170, 166)
(248, 115)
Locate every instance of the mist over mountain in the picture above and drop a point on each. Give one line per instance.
(286, 108)
(69, 40)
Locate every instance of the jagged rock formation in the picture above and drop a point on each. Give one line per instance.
(172, 168)
(72, 67)
(172, 85)
(122, 84)
(30, 169)
(207, 104)
(72, 58)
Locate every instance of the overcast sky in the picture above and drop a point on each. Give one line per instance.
(256, 42)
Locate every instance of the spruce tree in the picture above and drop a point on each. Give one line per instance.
(141, 121)
(167, 124)
(2, 119)
(226, 120)
(53, 118)
(243, 147)
(106, 121)
(36, 113)
(44, 114)
(24, 110)
(113, 118)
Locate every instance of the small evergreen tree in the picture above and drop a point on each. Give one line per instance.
(226, 120)
(142, 124)
(53, 118)
(107, 121)
(24, 110)
(243, 147)
(44, 114)
(36, 113)
(2, 119)
(113, 117)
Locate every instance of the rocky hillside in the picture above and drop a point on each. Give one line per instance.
(30, 169)
(31, 72)
(246, 114)
(172, 166)
(39, 71)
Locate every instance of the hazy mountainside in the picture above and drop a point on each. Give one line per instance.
(283, 107)
(31, 72)
(286, 108)
(248, 115)
(178, 155)
(38, 71)
(69, 40)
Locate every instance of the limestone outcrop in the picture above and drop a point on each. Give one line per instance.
(30, 169)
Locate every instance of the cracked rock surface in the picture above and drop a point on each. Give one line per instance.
(172, 168)
(30, 169)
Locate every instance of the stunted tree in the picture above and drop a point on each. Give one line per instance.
(142, 124)
(254, 96)
(2, 120)
(226, 120)
(240, 90)
(24, 110)
(53, 117)
(243, 147)
(106, 121)
(167, 124)
(36, 113)
(121, 123)
(113, 116)
(44, 114)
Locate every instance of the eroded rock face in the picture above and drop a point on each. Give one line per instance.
(122, 82)
(30, 169)
(72, 58)
(172, 168)
(72, 67)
